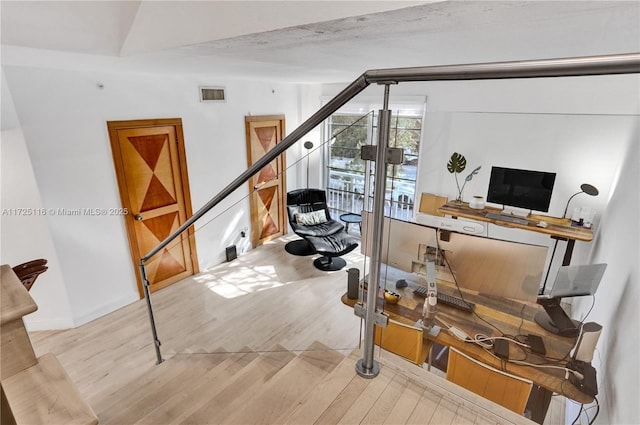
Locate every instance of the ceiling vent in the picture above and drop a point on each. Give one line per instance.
(212, 94)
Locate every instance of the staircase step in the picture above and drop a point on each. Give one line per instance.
(383, 406)
(321, 397)
(150, 379)
(15, 301)
(368, 397)
(233, 395)
(202, 364)
(17, 352)
(282, 393)
(44, 394)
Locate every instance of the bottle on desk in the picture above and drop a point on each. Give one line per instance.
(582, 217)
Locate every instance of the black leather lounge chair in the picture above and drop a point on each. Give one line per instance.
(310, 219)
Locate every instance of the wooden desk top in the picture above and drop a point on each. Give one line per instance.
(557, 227)
(509, 316)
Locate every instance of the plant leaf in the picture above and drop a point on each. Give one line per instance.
(457, 163)
(473, 173)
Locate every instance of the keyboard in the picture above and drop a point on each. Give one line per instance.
(507, 218)
(449, 300)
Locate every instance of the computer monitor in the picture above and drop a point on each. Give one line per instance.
(526, 189)
(571, 281)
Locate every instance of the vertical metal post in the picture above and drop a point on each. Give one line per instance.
(147, 297)
(367, 367)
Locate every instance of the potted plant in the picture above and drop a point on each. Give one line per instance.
(457, 164)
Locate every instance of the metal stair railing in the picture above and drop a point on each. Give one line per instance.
(546, 68)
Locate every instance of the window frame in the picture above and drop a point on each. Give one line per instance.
(411, 108)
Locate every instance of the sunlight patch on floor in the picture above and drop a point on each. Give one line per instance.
(240, 281)
(255, 271)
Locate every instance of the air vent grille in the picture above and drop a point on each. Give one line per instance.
(212, 94)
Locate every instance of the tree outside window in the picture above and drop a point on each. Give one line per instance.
(346, 173)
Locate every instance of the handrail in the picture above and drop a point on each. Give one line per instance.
(564, 67)
(322, 114)
(568, 67)
(583, 66)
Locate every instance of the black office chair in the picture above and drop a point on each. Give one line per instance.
(310, 219)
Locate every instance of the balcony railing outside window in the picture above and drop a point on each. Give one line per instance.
(348, 176)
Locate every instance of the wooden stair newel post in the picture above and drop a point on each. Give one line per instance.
(17, 352)
(34, 390)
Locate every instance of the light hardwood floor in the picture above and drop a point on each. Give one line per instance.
(262, 339)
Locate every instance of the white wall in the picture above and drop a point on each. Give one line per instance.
(63, 116)
(616, 302)
(25, 233)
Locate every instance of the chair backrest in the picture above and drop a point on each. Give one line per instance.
(306, 200)
(500, 387)
(430, 203)
(403, 340)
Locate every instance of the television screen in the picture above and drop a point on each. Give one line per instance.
(521, 188)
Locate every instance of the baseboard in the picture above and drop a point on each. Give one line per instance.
(105, 309)
(47, 325)
(58, 324)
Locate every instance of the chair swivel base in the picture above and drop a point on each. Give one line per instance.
(299, 247)
(329, 264)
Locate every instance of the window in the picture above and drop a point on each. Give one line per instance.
(347, 174)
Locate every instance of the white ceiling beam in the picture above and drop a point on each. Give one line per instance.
(167, 24)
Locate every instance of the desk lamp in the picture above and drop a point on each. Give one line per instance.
(584, 188)
(308, 145)
(301, 246)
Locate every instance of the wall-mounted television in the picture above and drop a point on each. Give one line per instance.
(521, 188)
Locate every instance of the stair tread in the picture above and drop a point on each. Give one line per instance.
(45, 394)
(204, 364)
(155, 377)
(15, 301)
(321, 397)
(385, 403)
(367, 397)
(282, 393)
(232, 395)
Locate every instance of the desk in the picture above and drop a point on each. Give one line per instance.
(560, 228)
(510, 316)
(557, 228)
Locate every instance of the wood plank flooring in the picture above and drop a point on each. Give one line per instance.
(262, 339)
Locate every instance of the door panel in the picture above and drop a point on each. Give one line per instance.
(268, 219)
(152, 178)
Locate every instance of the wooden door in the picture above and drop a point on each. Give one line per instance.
(151, 168)
(268, 217)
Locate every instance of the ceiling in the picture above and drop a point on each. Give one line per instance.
(307, 41)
